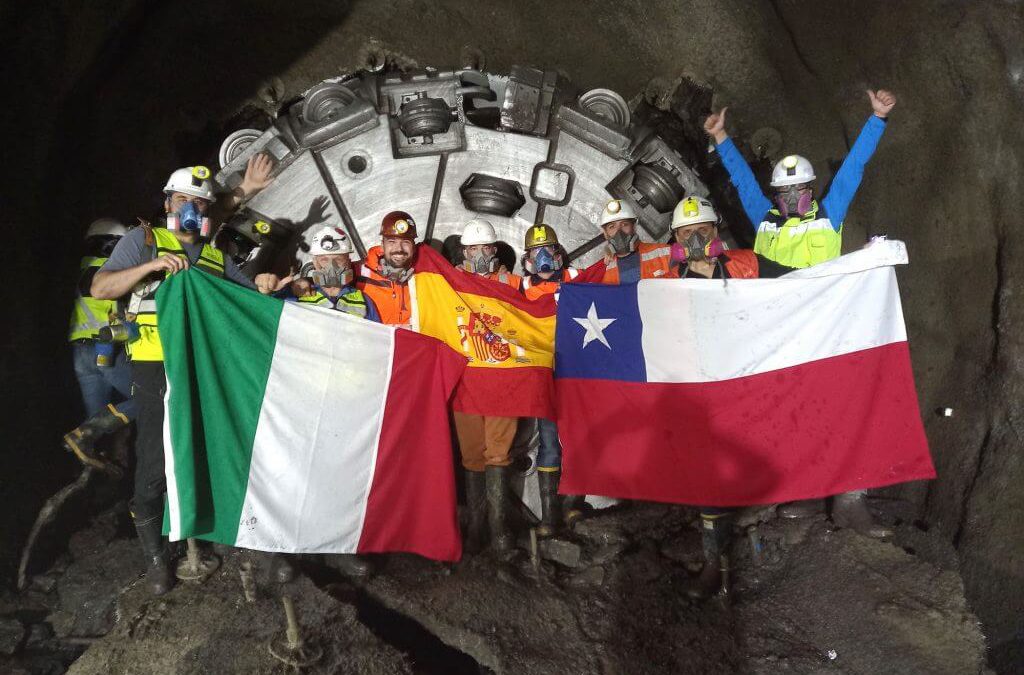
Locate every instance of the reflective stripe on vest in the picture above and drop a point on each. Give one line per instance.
(392, 299)
(353, 302)
(655, 261)
(89, 314)
(147, 347)
(798, 241)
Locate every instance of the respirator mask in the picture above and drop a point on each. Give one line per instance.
(544, 259)
(189, 219)
(335, 275)
(697, 247)
(793, 200)
(481, 263)
(623, 243)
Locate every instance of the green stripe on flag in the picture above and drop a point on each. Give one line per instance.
(218, 340)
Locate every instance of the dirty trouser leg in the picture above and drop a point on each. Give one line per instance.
(716, 536)
(549, 455)
(549, 464)
(119, 377)
(499, 432)
(96, 390)
(470, 431)
(148, 387)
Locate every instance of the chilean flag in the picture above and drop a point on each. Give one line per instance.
(740, 392)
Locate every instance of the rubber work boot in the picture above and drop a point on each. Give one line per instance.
(351, 565)
(498, 508)
(716, 535)
(550, 502)
(807, 508)
(158, 568)
(476, 505)
(850, 509)
(82, 440)
(572, 509)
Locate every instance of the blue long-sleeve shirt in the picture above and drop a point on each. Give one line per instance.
(844, 186)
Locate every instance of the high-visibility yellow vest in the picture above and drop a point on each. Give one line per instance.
(798, 241)
(147, 347)
(352, 302)
(89, 314)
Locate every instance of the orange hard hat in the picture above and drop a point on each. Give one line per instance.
(398, 224)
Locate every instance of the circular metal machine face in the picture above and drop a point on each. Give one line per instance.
(448, 146)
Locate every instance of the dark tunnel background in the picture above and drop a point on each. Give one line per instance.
(103, 99)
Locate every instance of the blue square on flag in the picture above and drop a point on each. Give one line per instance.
(598, 333)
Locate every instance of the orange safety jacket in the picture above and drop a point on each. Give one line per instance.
(738, 263)
(538, 289)
(391, 297)
(502, 276)
(654, 263)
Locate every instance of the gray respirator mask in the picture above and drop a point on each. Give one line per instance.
(334, 276)
(622, 243)
(481, 263)
(696, 246)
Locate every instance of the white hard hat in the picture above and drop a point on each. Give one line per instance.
(693, 210)
(192, 180)
(330, 241)
(478, 231)
(792, 170)
(617, 209)
(106, 227)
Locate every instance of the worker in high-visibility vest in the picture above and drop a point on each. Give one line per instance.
(384, 275)
(793, 228)
(101, 366)
(627, 260)
(328, 280)
(136, 267)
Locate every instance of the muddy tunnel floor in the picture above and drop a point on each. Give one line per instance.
(806, 598)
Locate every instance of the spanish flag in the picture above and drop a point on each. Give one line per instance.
(508, 340)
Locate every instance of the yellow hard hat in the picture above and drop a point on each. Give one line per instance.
(540, 234)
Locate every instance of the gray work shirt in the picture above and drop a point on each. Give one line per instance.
(132, 251)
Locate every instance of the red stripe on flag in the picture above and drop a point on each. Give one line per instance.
(411, 505)
(526, 391)
(816, 429)
(429, 260)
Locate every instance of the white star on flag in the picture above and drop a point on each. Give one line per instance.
(595, 327)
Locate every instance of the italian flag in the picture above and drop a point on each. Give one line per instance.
(299, 429)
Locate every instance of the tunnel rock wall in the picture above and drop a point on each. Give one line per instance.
(112, 95)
